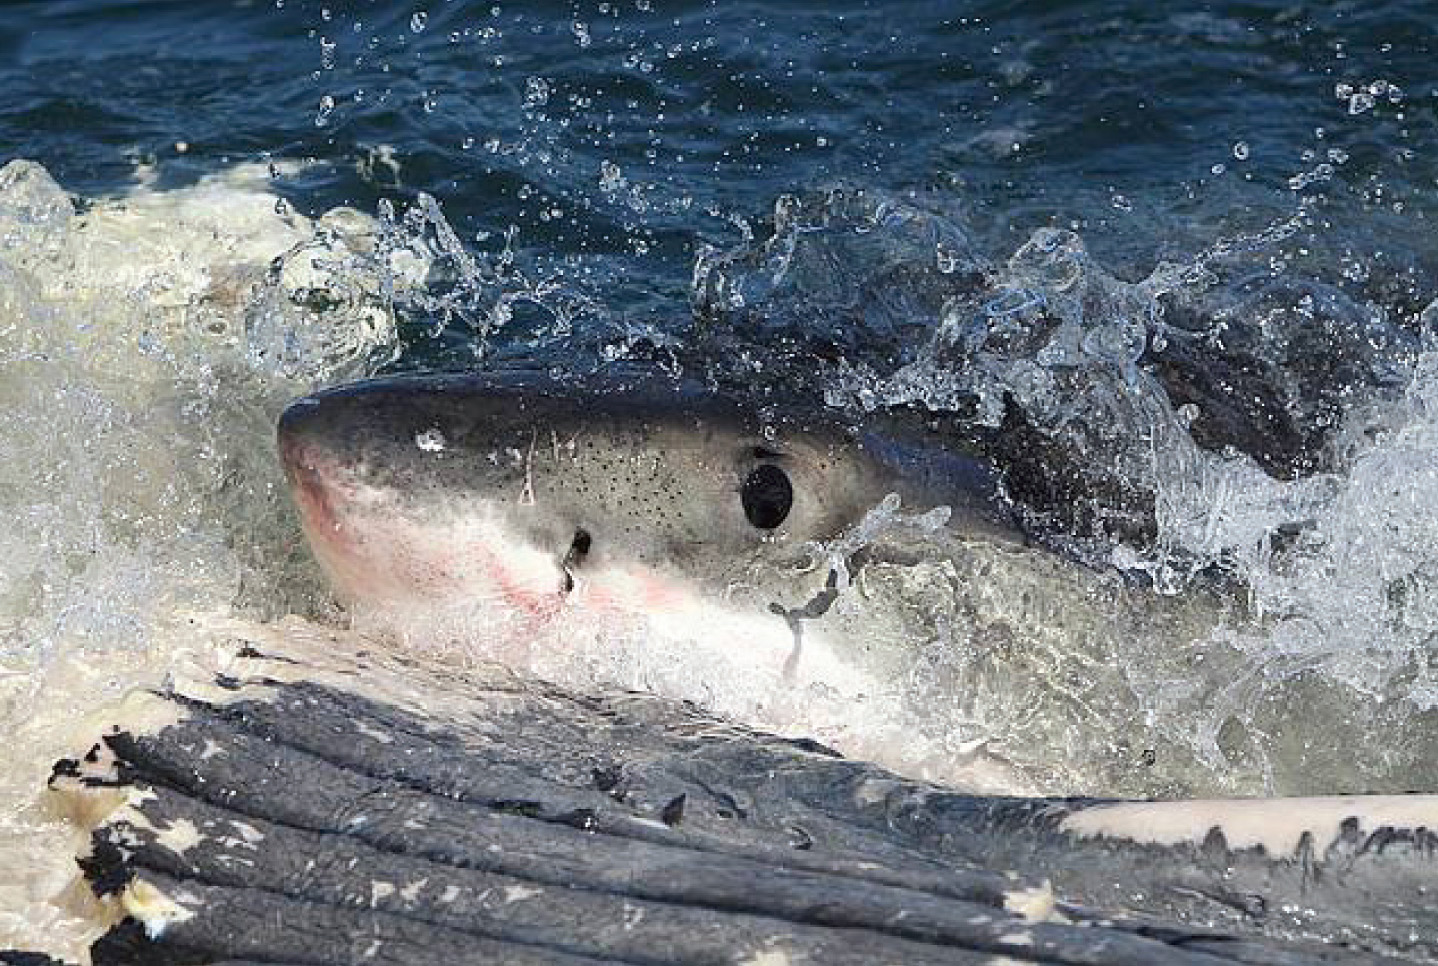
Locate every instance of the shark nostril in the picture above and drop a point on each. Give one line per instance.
(574, 556)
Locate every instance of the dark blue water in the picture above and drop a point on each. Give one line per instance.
(1123, 121)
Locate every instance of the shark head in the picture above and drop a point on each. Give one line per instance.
(527, 491)
(644, 534)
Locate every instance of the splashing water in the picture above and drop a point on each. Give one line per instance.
(148, 342)
(1308, 669)
(146, 345)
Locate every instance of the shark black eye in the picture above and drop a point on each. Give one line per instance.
(767, 496)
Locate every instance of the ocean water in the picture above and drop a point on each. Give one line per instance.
(1173, 272)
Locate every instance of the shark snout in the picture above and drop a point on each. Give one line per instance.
(321, 480)
(387, 499)
(309, 464)
(297, 428)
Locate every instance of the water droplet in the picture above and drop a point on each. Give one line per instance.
(1219, 168)
(536, 92)
(431, 440)
(1360, 102)
(327, 107)
(419, 21)
(610, 177)
(1240, 150)
(1121, 203)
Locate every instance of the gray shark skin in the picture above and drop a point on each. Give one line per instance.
(518, 487)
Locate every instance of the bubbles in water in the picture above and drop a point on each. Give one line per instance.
(1317, 175)
(1241, 150)
(536, 92)
(326, 108)
(418, 21)
(611, 179)
(1362, 98)
(1360, 101)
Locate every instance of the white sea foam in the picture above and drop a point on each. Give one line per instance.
(146, 344)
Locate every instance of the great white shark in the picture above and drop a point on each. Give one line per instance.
(709, 542)
(530, 489)
(696, 542)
